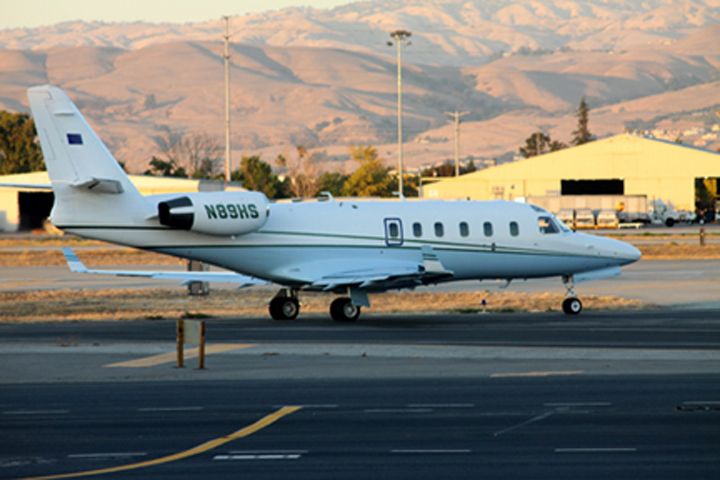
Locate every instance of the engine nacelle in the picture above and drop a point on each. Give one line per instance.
(216, 213)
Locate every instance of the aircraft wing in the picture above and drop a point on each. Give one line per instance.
(186, 277)
(427, 269)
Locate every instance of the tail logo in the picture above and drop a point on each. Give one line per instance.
(74, 139)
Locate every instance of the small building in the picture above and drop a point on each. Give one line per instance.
(624, 164)
(27, 203)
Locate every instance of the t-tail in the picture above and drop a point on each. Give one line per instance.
(89, 185)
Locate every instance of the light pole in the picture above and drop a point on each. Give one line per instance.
(400, 38)
(456, 115)
(226, 57)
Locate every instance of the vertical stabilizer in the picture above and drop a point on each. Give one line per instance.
(89, 185)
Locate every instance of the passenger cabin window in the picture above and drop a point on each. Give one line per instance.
(439, 229)
(417, 229)
(514, 229)
(393, 230)
(464, 229)
(488, 229)
(546, 225)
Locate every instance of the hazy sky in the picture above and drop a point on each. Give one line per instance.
(32, 13)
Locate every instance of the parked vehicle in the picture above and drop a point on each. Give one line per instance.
(584, 218)
(607, 219)
(566, 216)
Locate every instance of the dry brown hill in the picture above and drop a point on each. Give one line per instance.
(325, 79)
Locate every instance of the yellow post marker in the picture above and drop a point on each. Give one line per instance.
(201, 347)
(180, 342)
(195, 335)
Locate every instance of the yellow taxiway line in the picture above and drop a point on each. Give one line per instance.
(170, 357)
(202, 448)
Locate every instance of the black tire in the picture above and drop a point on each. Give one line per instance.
(343, 310)
(572, 306)
(284, 308)
(669, 222)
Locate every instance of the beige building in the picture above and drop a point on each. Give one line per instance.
(27, 203)
(620, 165)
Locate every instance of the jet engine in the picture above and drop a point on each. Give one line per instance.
(215, 213)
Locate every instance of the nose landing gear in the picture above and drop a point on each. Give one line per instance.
(571, 305)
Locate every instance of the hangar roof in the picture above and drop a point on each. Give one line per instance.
(620, 156)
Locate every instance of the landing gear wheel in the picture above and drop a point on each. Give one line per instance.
(572, 306)
(343, 310)
(284, 308)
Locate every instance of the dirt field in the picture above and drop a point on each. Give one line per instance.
(123, 304)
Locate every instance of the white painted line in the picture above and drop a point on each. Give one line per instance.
(526, 422)
(398, 410)
(35, 412)
(170, 409)
(108, 455)
(699, 402)
(537, 374)
(594, 450)
(260, 452)
(257, 457)
(441, 405)
(437, 451)
(577, 404)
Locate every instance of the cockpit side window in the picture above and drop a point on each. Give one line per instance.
(547, 226)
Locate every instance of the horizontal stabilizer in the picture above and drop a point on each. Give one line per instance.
(28, 186)
(185, 277)
(99, 185)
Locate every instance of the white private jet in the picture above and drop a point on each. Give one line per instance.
(347, 247)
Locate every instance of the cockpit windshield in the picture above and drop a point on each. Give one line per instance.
(549, 225)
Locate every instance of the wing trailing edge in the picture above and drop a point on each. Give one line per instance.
(77, 266)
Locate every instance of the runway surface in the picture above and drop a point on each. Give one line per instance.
(614, 427)
(604, 395)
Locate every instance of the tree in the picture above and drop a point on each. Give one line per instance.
(165, 168)
(582, 134)
(539, 143)
(258, 176)
(447, 169)
(303, 173)
(198, 154)
(19, 152)
(705, 195)
(332, 182)
(372, 178)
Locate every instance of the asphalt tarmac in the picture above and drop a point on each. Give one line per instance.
(604, 395)
(595, 427)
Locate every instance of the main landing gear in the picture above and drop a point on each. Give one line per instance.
(343, 310)
(571, 305)
(285, 306)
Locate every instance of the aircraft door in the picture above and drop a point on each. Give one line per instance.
(393, 232)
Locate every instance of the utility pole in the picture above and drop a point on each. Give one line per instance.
(226, 57)
(401, 39)
(456, 115)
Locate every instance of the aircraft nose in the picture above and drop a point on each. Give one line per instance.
(623, 251)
